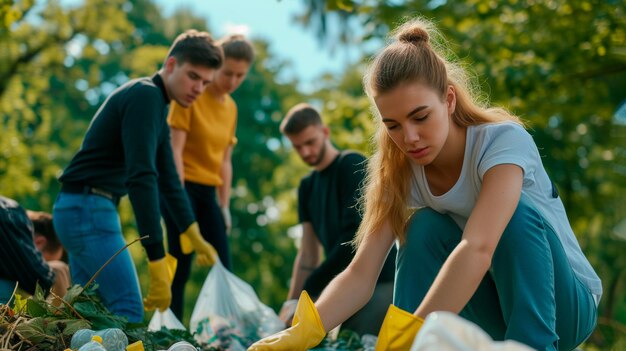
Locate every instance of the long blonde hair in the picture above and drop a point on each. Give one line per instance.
(416, 54)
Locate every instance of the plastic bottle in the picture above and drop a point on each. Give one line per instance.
(81, 337)
(182, 346)
(114, 339)
(94, 345)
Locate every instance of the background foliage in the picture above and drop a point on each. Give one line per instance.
(559, 64)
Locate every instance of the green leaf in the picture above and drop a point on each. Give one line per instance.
(20, 303)
(99, 317)
(344, 5)
(72, 293)
(74, 325)
(33, 330)
(36, 308)
(39, 293)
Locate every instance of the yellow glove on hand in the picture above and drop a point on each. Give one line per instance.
(191, 240)
(161, 277)
(398, 330)
(306, 330)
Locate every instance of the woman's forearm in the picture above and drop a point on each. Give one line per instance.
(353, 288)
(344, 296)
(456, 282)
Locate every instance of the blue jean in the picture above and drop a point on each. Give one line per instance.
(6, 290)
(530, 294)
(89, 228)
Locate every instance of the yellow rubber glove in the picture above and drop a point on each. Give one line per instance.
(398, 330)
(306, 330)
(161, 277)
(191, 240)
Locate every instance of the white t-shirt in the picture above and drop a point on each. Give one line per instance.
(488, 145)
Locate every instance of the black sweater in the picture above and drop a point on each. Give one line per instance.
(127, 150)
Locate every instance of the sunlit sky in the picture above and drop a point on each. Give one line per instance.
(273, 21)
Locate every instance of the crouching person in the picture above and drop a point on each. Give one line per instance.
(22, 263)
(490, 239)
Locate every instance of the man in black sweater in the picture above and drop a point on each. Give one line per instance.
(126, 150)
(327, 199)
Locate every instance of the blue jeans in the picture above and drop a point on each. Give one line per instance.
(6, 290)
(89, 228)
(530, 294)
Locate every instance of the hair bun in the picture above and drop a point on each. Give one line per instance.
(413, 35)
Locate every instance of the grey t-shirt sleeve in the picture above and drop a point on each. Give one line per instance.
(508, 143)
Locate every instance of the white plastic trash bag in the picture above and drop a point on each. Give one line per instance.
(446, 331)
(229, 314)
(165, 319)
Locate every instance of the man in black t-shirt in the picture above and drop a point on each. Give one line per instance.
(127, 150)
(327, 199)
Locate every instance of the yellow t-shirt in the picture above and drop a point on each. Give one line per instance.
(210, 126)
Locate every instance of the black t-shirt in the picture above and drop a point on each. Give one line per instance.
(127, 150)
(21, 261)
(327, 199)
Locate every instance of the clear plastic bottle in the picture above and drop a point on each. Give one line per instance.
(81, 337)
(114, 339)
(94, 345)
(182, 346)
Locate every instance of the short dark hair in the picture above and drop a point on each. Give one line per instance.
(299, 118)
(197, 48)
(42, 223)
(237, 47)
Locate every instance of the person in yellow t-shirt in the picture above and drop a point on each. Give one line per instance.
(203, 137)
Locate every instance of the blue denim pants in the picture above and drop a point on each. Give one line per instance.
(89, 228)
(6, 290)
(530, 294)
